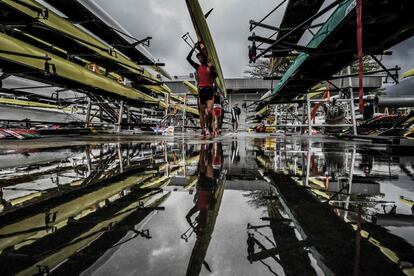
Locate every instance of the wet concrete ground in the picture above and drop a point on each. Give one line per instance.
(241, 204)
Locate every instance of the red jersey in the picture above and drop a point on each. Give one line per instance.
(204, 198)
(205, 76)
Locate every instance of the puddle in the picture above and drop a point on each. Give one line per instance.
(183, 206)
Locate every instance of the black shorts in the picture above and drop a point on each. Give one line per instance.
(206, 183)
(205, 94)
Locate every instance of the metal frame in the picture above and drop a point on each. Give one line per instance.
(300, 26)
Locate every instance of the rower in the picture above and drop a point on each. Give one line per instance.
(206, 76)
(218, 112)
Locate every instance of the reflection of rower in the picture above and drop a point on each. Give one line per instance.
(205, 189)
(210, 188)
(218, 159)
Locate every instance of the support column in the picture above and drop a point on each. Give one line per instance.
(128, 116)
(302, 130)
(121, 111)
(308, 104)
(167, 102)
(308, 163)
(88, 160)
(351, 93)
(184, 152)
(350, 180)
(88, 113)
(120, 158)
(185, 113)
(100, 114)
(276, 116)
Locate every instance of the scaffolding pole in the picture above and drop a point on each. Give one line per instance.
(121, 111)
(351, 92)
(276, 116)
(309, 113)
(88, 113)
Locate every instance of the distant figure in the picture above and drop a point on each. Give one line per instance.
(368, 111)
(206, 76)
(218, 112)
(252, 52)
(235, 117)
(235, 155)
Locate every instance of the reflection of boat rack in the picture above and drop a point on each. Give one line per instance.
(114, 220)
(105, 165)
(340, 234)
(289, 190)
(77, 205)
(292, 252)
(123, 232)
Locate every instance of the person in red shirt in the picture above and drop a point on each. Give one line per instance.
(206, 185)
(218, 112)
(206, 75)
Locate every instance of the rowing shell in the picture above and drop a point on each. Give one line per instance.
(206, 40)
(95, 19)
(13, 50)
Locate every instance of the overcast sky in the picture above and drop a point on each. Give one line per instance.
(167, 20)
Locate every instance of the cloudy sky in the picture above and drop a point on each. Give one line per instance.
(167, 20)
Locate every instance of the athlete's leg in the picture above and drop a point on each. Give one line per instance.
(209, 123)
(219, 119)
(201, 110)
(214, 120)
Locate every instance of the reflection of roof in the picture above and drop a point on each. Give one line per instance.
(331, 49)
(403, 89)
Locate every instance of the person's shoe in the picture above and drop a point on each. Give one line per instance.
(203, 133)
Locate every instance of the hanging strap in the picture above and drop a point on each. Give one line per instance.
(360, 55)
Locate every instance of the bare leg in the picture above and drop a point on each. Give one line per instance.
(217, 123)
(202, 117)
(209, 122)
(214, 124)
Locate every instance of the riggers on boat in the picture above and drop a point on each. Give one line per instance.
(96, 20)
(65, 72)
(63, 35)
